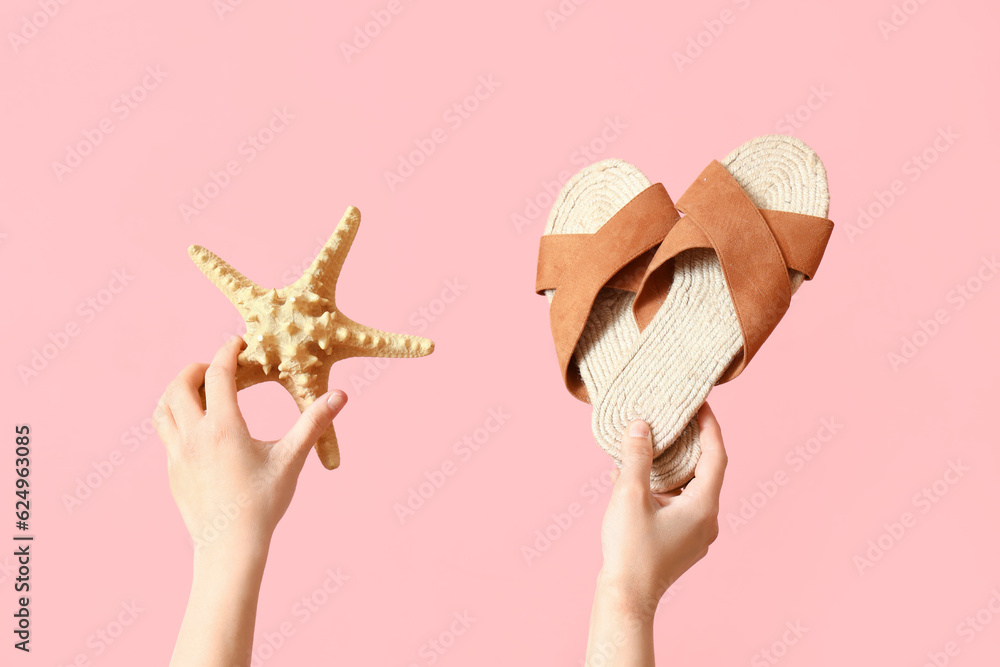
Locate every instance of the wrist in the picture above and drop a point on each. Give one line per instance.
(232, 555)
(625, 598)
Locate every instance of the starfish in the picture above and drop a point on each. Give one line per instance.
(296, 333)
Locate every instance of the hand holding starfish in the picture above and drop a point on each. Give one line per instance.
(231, 490)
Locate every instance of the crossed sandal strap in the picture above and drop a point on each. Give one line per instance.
(577, 266)
(756, 247)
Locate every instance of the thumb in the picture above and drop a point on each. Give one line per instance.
(637, 454)
(311, 424)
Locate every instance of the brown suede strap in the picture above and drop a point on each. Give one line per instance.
(577, 266)
(755, 248)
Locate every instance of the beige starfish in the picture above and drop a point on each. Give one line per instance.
(295, 334)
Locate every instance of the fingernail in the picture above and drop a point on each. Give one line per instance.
(336, 400)
(639, 429)
(233, 339)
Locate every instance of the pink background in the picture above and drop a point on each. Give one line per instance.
(884, 99)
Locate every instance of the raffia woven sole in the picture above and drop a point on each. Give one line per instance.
(668, 372)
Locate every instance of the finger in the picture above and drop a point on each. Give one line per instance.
(664, 498)
(163, 422)
(711, 467)
(183, 399)
(615, 474)
(295, 446)
(220, 380)
(637, 455)
(673, 493)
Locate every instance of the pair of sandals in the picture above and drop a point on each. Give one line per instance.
(650, 309)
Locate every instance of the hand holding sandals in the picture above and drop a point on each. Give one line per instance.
(649, 540)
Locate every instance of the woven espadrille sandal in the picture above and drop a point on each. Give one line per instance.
(754, 229)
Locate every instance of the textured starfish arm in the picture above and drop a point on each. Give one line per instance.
(239, 289)
(365, 341)
(321, 277)
(326, 447)
(305, 393)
